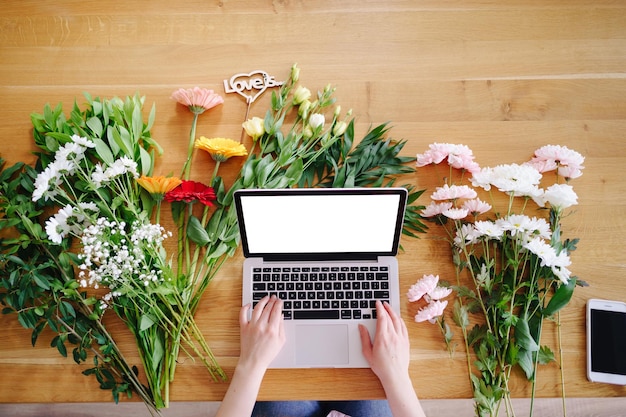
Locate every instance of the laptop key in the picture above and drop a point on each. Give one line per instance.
(316, 315)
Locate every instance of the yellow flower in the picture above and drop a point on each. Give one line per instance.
(221, 149)
(158, 186)
(254, 127)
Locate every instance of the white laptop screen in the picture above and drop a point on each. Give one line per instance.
(329, 223)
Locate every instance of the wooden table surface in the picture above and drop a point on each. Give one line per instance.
(502, 79)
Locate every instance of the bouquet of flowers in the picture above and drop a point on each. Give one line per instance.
(510, 258)
(80, 232)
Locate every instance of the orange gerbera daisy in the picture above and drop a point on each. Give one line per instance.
(158, 186)
(221, 148)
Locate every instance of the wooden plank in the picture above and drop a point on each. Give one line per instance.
(421, 60)
(198, 27)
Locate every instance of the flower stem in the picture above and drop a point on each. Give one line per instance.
(192, 138)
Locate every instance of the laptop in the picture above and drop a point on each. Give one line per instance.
(329, 253)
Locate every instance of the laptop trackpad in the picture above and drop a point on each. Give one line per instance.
(322, 345)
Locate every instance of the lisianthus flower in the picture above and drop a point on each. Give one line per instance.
(426, 284)
(190, 191)
(453, 192)
(433, 310)
(301, 94)
(158, 186)
(316, 121)
(221, 149)
(197, 99)
(255, 127)
(340, 128)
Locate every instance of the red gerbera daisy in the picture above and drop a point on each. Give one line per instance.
(189, 191)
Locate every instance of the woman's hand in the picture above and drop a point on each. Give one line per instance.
(263, 336)
(389, 355)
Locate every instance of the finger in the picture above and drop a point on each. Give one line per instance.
(243, 314)
(396, 320)
(366, 342)
(276, 312)
(260, 307)
(382, 318)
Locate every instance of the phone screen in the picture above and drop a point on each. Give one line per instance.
(608, 342)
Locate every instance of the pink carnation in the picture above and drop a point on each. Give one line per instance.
(438, 293)
(453, 192)
(550, 157)
(476, 206)
(433, 310)
(456, 213)
(435, 209)
(458, 156)
(422, 287)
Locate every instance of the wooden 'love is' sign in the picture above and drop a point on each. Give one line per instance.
(251, 85)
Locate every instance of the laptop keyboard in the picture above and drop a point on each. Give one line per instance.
(342, 292)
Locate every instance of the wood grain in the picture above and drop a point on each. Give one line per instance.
(501, 77)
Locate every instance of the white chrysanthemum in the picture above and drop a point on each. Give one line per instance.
(465, 235)
(543, 250)
(515, 223)
(562, 273)
(71, 151)
(488, 229)
(46, 184)
(539, 227)
(64, 167)
(482, 178)
(559, 196)
(98, 177)
(516, 180)
(83, 141)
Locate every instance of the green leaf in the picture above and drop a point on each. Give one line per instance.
(523, 337)
(561, 297)
(103, 151)
(147, 321)
(526, 363)
(96, 127)
(459, 315)
(196, 232)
